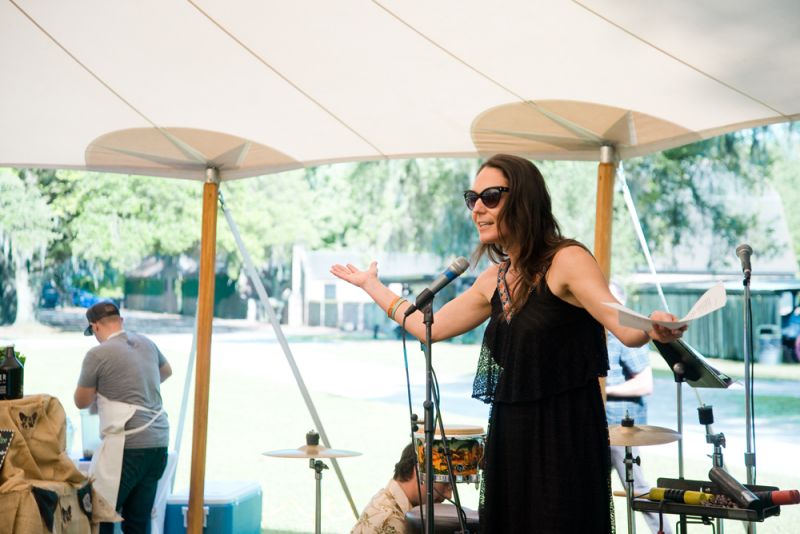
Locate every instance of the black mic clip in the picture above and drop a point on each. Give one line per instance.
(423, 299)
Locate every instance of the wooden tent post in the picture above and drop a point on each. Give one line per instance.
(604, 215)
(604, 218)
(205, 316)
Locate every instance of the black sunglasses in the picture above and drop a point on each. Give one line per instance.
(489, 196)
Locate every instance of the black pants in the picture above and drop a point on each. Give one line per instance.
(141, 470)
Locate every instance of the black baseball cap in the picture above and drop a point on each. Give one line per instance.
(99, 311)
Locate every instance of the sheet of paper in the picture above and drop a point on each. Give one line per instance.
(632, 319)
(711, 300)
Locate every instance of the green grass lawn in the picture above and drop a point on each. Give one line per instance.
(358, 389)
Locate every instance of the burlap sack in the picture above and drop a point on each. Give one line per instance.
(21, 514)
(38, 449)
(37, 458)
(15, 514)
(69, 518)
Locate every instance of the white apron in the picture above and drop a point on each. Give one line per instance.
(106, 466)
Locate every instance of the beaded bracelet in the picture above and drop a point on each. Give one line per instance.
(391, 306)
(402, 301)
(396, 307)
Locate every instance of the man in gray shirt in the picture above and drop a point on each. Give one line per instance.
(128, 368)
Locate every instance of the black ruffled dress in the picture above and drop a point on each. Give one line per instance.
(546, 467)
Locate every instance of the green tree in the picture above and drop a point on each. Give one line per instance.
(403, 205)
(683, 191)
(786, 176)
(107, 222)
(271, 213)
(116, 220)
(26, 223)
(573, 189)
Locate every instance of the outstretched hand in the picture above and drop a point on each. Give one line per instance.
(662, 333)
(349, 273)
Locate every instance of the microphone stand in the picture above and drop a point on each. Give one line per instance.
(749, 456)
(427, 318)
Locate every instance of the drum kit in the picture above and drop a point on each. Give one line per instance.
(464, 445)
(629, 435)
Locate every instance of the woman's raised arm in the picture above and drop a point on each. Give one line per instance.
(460, 315)
(576, 277)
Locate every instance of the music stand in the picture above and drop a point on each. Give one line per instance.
(691, 367)
(688, 365)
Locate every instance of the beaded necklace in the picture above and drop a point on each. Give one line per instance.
(503, 291)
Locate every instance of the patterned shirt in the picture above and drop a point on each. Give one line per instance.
(385, 513)
(625, 362)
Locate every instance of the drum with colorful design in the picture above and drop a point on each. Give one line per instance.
(465, 446)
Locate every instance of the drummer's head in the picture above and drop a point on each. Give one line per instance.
(405, 474)
(404, 470)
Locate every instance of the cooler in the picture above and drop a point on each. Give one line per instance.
(229, 507)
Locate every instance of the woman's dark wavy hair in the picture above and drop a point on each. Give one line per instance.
(527, 216)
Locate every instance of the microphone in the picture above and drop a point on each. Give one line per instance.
(744, 252)
(455, 270)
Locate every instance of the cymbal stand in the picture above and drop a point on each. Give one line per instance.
(706, 416)
(629, 462)
(318, 466)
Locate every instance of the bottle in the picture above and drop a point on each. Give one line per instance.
(11, 376)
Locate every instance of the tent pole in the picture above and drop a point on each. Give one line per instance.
(604, 217)
(604, 212)
(205, 317)
(276, 326)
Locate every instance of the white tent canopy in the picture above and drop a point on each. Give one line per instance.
(253, 87)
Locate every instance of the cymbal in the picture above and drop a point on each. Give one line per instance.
(641, 435)
(311, 451)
